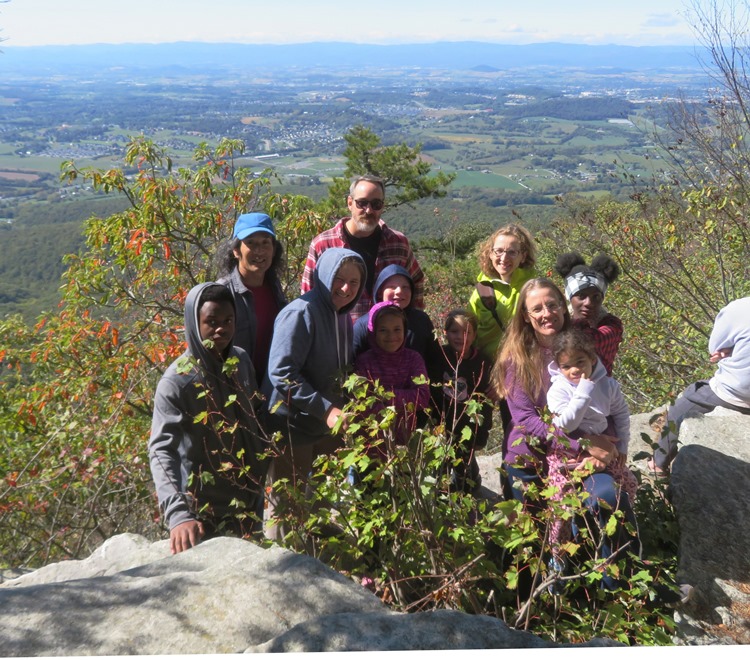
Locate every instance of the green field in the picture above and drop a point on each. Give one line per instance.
(485, 180)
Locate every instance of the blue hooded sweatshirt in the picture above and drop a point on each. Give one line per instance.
(420, 333)
(311, 352)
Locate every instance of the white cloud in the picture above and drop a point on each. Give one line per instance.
(661, 20)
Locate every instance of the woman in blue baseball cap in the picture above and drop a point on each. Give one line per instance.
(250, 265)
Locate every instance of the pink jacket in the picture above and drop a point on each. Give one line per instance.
(396, 372)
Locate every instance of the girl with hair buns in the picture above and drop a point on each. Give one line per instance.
(506, 260)
(585, 288)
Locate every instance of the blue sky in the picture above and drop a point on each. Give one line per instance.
(632, 22)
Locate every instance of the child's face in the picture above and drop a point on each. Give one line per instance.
(575, 364)
(397, 289)
(460, 337)
(216, 322)
(389, 333)
(346, 285)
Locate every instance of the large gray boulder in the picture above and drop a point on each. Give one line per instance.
(223, 596)
(131, 597)
(425, 631)
(709, 486)
(113, 556)
(440, 630)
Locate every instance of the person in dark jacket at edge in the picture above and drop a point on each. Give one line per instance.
(204, 432)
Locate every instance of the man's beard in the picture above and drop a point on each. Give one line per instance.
(365, 226)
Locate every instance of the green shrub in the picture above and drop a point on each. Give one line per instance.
(398, 528)
(683, 256)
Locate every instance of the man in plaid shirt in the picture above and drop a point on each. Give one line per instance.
(367, 235)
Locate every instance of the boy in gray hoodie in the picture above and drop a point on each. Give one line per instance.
(311, 352)
(205, 444)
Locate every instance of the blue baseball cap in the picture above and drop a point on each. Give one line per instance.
(249, 223)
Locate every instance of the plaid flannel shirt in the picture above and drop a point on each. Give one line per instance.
(394, 248)
(607, 336)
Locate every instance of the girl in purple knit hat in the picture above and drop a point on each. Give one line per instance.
(395, 367)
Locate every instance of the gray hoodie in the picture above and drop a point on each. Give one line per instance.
(731, 382)
(311, 350)
(195, 434)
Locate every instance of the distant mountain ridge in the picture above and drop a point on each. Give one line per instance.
(459, 55)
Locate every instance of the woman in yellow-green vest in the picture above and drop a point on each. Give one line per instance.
(507, 262)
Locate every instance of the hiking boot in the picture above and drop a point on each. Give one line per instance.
(672, 595)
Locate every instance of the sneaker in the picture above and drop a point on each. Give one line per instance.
(686, 593)
(661, 473)
(456, 483)
(473, 484)
(353, 477)
(556, 566)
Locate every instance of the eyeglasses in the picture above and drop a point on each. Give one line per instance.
(552, 308)
(499, 252)
(374, 204)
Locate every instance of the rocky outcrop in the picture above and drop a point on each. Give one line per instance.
(441, 630)
(709, 486)
(223, 596)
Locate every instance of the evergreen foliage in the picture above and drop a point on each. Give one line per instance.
(406, 175)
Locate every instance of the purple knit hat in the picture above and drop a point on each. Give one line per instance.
(375, 310)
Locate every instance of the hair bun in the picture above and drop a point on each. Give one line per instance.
(607, 266)
(567, 262)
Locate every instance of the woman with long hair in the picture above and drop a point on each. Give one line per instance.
(521, 375)
(506, 263)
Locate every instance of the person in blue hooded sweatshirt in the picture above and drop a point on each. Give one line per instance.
(205, 447)
(395, 284)
(311, 353)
